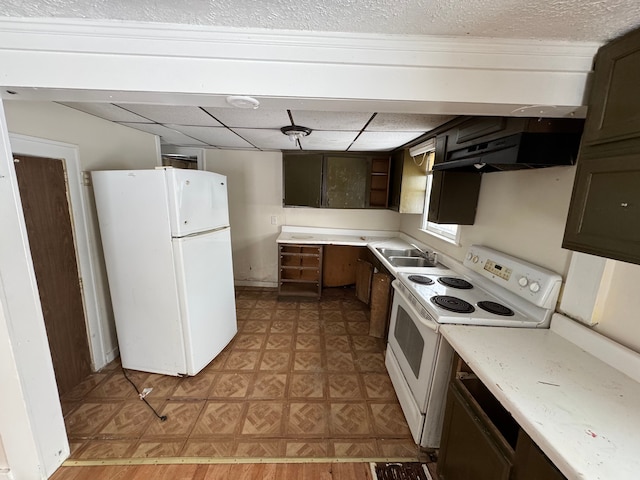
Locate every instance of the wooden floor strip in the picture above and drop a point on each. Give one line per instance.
(260, 471)
(223, 461)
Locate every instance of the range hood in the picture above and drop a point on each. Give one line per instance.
(519, 151)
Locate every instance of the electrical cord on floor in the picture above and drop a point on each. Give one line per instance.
(142, 397)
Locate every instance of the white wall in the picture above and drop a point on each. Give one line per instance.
(255, 195)
(255, 185)
(524, 213)
(617, 315)
(339, 218)
(521, 212)
(101, 145)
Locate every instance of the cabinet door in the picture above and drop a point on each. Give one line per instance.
(531, 463)
(454, 197)
(346, 184)
(467, 450)
(605, 207)
(302, 178)
(614, 103)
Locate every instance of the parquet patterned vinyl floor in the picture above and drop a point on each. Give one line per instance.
(302, 379)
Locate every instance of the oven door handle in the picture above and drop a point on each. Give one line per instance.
(414, 313)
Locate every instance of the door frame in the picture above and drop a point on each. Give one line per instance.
(85, 250)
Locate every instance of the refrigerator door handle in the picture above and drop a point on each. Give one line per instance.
(204, 232)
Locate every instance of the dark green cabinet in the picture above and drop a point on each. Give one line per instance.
(302, 177)
(454, 195)
(481, 440)
(346, 181)
(614, 103)
(334, 180)
(604, 213)
(471, 447)
(531, 463)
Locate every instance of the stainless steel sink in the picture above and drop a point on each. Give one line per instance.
(392, 252)
(403, 261)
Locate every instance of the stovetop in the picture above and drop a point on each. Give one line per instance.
(425, 295)
(498, 282)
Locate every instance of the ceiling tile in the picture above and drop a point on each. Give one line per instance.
(267, 139)
(354, 121)
(168, 135)
(404, 122)
(220, 137)
(249, 118)
(174, 114)
(106, 111)
(324, 140)
(382, 141)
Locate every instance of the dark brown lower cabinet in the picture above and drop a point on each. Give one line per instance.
(531, 463)
(471, 447)
(480, 439)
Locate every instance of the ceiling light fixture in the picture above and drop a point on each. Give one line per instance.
(295, 132)
(243, 101)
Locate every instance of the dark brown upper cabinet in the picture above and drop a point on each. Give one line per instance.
(336, 180)
(614, 103)
(302, 179)
(454, 195)
(604, 213)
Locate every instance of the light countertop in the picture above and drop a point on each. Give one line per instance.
(582, 412)
(363, 238)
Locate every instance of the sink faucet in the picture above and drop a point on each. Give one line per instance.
(431, 256)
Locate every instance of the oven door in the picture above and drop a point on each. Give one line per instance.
(414, 341)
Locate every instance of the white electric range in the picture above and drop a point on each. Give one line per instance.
(493, 289)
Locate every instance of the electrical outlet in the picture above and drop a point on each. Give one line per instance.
(274, 219)
(86, 179)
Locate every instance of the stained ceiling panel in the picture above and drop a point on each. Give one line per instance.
(381, 141)
(107, 111)
(354, 121)
(220, 137)
(328, 140)
(267, 139)
(391, 122)
(174, 114)
(249, 118)
(167, 135)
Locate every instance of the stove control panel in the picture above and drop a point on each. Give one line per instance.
(531, 282)
(498, 270)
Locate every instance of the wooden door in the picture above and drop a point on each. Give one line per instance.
(43, 191)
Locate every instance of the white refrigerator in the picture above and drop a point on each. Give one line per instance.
(167, 248)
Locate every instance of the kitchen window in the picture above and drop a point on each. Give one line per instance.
(447, 232)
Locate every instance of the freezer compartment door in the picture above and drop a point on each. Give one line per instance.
(205, 283)
(197, 201)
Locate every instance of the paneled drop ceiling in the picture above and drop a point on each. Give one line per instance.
(259, 129)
